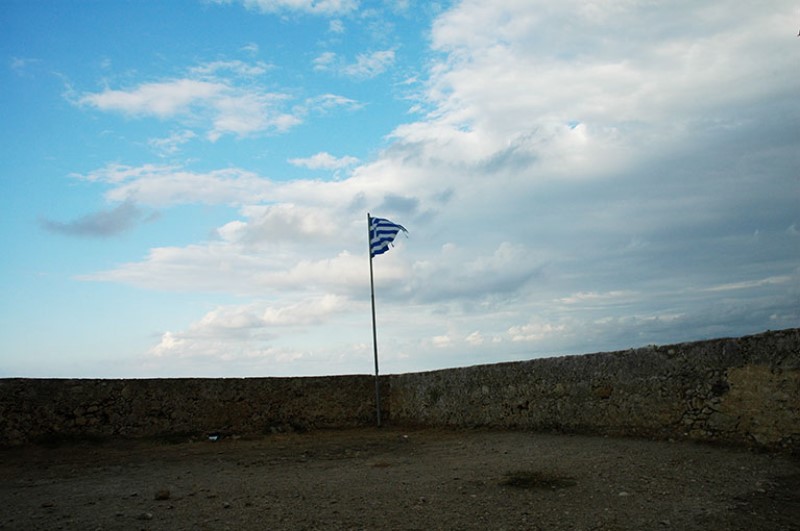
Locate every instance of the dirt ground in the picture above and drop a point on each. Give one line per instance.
(391, 478)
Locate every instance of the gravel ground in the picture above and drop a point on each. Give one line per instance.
(399, 479)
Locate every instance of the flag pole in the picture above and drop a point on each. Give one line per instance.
(374, 330)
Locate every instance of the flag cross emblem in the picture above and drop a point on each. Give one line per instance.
(382, 233)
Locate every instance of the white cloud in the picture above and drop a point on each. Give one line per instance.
(366, 65)
(164, 99)
(117, 173)
(306, 312)
(239, 68)
(251, 48)
(535, 331)
(244, 114)
(22, 66)
(324, 161)
(593, 297)
(226, 267)
(211, 97)
(221, 97)
(212, 267)
(324, 61)
(370, 65)
(781, 279)
(177, 346)
(475, 339)
(336, 26)
(528, 66)
(442, 341)
(259, 318)
(171, 145)
(163, 185)
(315, 7)
(328, 102)
(254, 334)
(282, 222)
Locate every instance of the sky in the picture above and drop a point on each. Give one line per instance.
(184, 185)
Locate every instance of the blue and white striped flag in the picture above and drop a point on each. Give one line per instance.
(382, 233)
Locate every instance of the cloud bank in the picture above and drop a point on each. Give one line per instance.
(576, 179)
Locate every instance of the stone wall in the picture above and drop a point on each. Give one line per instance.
(740, 391)
(59, 409)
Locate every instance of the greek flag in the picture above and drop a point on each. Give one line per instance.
(382, 233)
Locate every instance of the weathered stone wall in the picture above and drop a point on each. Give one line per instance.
(56, 409)
(740, 391)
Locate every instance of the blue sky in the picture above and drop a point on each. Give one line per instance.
(185, 184)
